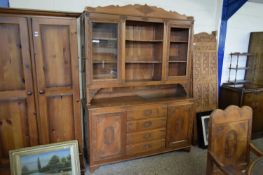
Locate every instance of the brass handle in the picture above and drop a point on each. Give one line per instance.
(29, 92)
(147, 135)
(147, 124)
(41, 91)
(148, 112)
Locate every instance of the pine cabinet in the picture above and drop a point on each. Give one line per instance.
(39, 89)
(138, 82)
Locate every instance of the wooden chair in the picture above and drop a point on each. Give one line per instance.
(229, 141)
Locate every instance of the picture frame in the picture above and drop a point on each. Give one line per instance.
(202, 128)
(57, 158)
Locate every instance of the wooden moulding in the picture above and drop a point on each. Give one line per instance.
(29, 12)
(138, 10)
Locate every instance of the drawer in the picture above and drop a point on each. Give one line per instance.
(144, 136)
(147, 124)
(146, 111)
(145, 147)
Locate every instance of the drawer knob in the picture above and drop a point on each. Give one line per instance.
(42, 92)
(147, 112)
(147, 124)
(29, 92)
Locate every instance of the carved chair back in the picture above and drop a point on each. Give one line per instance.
(230, 134)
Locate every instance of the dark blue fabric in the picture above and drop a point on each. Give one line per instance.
(230, 7)
(4, 3)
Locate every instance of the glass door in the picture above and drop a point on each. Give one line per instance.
(178, 52)
(104, 51)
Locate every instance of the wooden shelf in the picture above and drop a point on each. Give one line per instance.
(104, 62)
(106, 39)
(238, 82)
(239, 68)
(142, 61)
(104, 76)
(179, 42)
(241, 54)
(177, 61)
(141, 40)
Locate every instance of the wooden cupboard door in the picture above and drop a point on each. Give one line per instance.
(254, 100)
(17, 110)
(56, 60)
(179, 125)
(108, 135)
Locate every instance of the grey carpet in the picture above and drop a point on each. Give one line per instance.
(173, 163)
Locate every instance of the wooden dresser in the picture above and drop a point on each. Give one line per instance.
(39, 80)
(138, 82)
(245, 94)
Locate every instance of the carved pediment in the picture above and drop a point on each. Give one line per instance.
(138, 10)
(205, 37)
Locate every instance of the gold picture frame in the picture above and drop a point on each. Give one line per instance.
(57, 158)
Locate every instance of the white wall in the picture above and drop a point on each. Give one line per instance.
(204, 11)
(248, 19)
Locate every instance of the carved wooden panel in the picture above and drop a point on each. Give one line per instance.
(108, 131)
(138, 10)
(229, 135)
(205, 72)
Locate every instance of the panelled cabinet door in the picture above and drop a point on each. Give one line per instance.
(108, 135)
(179, 125)
(56, 60)
(254, 100)
(17, 110)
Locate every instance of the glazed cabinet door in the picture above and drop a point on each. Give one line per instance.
(17, 110)
(178, 51)
(179, 125)
(103, 51)
(108, 135)
(56, 60)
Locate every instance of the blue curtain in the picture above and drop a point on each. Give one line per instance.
(230, 7)
(4, 3)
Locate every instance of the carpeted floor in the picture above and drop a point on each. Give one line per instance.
(173, 163)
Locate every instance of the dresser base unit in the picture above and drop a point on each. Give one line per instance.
(138, 128)
(245, 94)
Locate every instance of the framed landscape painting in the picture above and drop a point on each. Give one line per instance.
(58, 158)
